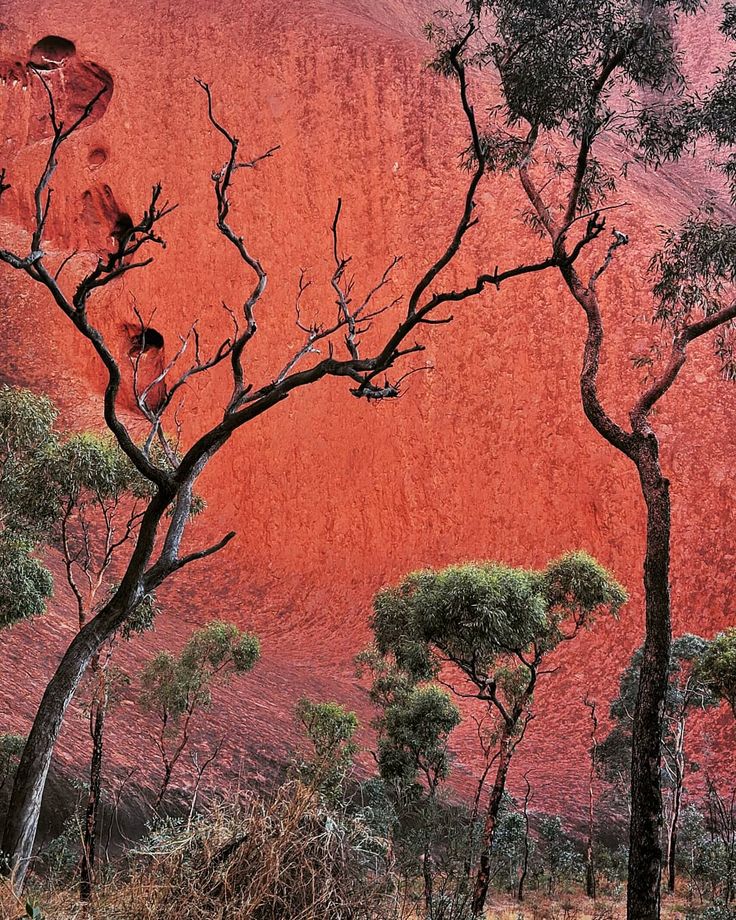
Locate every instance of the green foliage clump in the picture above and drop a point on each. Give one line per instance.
(712, 912)
(413, 736)
(716, 667)
(510, 845)
(559, 856)
(175, 685)
(330, 729)
(26, 585)
(26, 430)
(11, 748)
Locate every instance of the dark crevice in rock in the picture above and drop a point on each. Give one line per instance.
(149, 339)
(51, 52)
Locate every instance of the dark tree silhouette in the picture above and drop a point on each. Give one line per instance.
(576, 77)
(172, 469)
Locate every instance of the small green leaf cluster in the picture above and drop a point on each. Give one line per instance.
(174, 685)
(330, 729)
(716, 667)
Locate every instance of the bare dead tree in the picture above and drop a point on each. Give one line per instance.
(157, 553)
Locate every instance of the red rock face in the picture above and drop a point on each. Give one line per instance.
(488, 456)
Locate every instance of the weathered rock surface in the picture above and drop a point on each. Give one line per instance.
(487, 456)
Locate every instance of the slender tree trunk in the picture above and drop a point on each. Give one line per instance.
(427, 871)
(589, 858)
(170, 762)
(168, 770)
(645, 835)
(483, 876)
(672, 848)
(525, 863)
(676, 807)
(589, 863)
(92, 817)
(25, 803)
(468, 861)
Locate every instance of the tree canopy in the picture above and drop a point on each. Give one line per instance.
(481, 616)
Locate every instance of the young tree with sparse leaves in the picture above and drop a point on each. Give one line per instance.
(330, 729)
(486, 630)
(414, 724)
(176, 688)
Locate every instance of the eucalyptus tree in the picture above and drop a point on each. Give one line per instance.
(716, 667)
(79, 495)
(587, 89)
(686, 693)
(414, 724)
(486, 630)
(337, 344)
(178, 688)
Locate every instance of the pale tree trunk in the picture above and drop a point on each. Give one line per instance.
(676, 805)
(25, 803)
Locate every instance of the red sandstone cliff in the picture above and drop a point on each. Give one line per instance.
(489, 456)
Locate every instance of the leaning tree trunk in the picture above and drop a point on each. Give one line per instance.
(25, 803)
(483, 876)
(645, 835)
